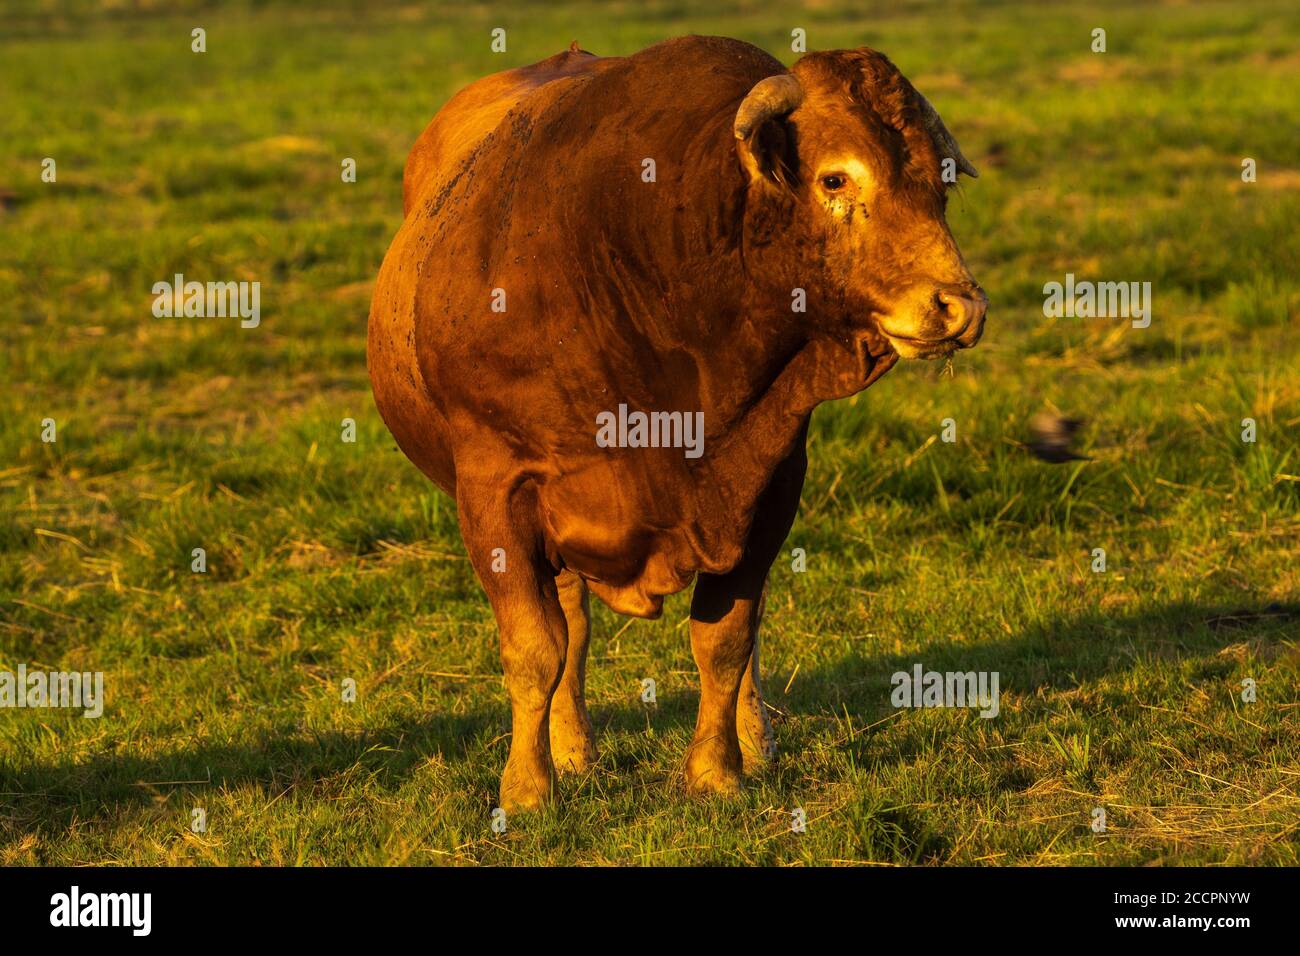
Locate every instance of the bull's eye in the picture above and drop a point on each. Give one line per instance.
(833, 182)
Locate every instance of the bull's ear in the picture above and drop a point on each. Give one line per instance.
(763, 142)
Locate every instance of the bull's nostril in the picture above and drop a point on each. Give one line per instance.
(954, 306)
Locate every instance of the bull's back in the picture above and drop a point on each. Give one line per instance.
(449, 141)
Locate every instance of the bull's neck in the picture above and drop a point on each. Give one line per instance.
(781, 386)
(765, 434)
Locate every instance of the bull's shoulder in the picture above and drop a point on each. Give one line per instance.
(474, 112)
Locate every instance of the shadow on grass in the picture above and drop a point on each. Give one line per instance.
(49, 798)
(1056, 655)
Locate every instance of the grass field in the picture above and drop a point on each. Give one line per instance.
(330, 560)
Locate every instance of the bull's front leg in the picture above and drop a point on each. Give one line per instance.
(732, 732)
(724, 617)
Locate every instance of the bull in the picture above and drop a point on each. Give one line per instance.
(785, 246)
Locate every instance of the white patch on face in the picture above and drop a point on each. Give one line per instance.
(859, 184)
(858, 172)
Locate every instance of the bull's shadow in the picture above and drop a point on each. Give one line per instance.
(1054, 655)
(47, 798)
(1060, 654)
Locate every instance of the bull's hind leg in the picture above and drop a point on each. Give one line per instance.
(520, 585)
(753, 728)
(573, 745)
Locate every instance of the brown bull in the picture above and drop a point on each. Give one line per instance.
(549, 285)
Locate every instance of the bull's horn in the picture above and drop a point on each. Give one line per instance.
(942, 138)
(774, 96)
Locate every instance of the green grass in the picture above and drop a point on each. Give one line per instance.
(332, 560)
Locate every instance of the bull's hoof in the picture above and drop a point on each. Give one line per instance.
(714, 781)
(573, 745)
(712, 768)
(523, 790)
(577, 757)
(757, 755)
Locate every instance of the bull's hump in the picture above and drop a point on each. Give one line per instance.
(720, 70)
(711, 50)
(469, 117)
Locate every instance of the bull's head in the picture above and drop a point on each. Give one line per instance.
(846, 198)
